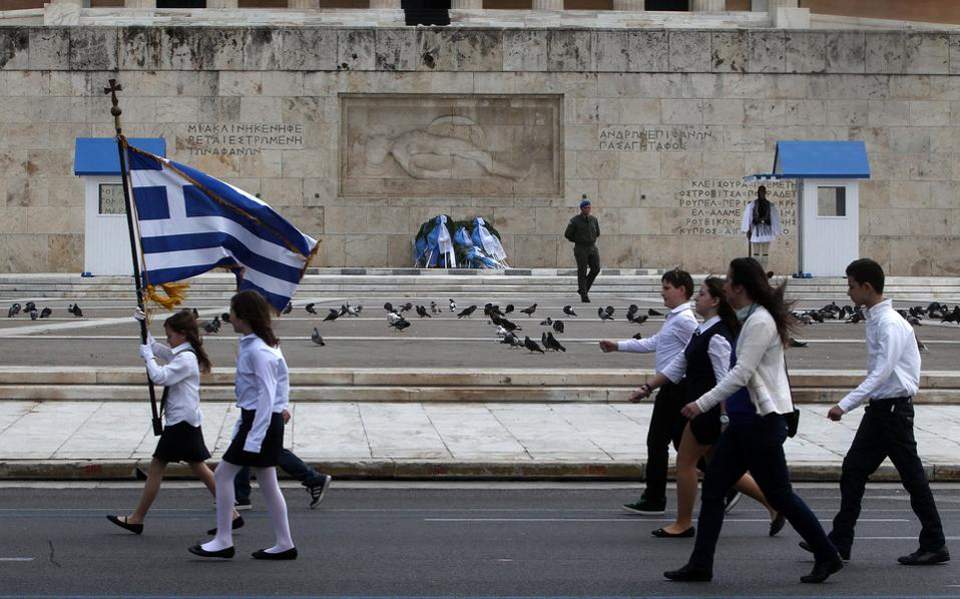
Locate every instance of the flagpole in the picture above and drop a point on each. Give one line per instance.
(121, 143)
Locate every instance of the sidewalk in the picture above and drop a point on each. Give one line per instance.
(106, 440)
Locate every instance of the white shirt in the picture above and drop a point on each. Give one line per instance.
(761, 233)
(893, 358)
(760, 368)
(181, 375)
(718, 350)
(263, 385)
(678, 327)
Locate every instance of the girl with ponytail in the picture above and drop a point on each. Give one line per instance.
(182, 438)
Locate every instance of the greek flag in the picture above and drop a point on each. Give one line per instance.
(190, 223)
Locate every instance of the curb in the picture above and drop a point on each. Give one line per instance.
(117, 470)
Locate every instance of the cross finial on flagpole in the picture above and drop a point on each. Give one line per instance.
(115, 110)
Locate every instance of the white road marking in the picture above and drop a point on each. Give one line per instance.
(635, 519)
(16, 559)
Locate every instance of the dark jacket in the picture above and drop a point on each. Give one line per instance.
(583, 230)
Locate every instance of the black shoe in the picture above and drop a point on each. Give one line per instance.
(662, 534)
(844, 553)
(585, 298)
(198, 550)
(283, 555)
(822, 571)
(689, 573)
(731, 499)
(647, 507)
(237, 523)
(122, 523)
(318, 489)
(925, 558)
(776, 525)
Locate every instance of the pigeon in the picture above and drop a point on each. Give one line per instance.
(638, 319)
(393, 318)
(288, 308)
(13, 311)
(29, 307)
(433, 308)
(213, 326)
(34, 314)
(354, 310)
(422, 312)
(609, 310)
(529, 310)
(568, 310)
(638, 336)
(632, 309)
(195, 313)
(953, 316)
(508, 309)
(75, 310)
(316, 338)
(603, 314)
(502, 332)
(511, 340)
(546, 322)
(406, 307)
(332, 315)
(652, 312)
(453, 305)
(558, 326)
(225, 317)
(550, 342)
(388, 307)
(310, 308)
(401, 324)
(46, 312)
(797, 343)
(467, 312)
(532, 345)
(510, 326)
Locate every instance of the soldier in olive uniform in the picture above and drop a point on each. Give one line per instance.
(583, 231)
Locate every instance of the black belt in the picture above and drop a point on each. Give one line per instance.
(889, 400)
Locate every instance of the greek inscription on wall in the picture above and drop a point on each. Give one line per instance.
(655, 138)
(238, 139)
(711, 207)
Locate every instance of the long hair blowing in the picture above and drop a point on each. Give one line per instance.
(185, 323)
(748, 273)
(250, 307)
(725, 311)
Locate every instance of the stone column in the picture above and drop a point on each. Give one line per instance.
(468, 4)
(708, 5)
(633, 5)
(758, 5)
(221, 3)
(394, 4)
(139, 3)
(303, 4)
(62, 12)
(547, 4)
(786, 14)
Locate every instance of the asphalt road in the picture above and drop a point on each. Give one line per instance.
(444, 540)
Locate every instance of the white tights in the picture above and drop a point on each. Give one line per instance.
(276, 507)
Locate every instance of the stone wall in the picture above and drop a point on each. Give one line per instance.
(658, 128)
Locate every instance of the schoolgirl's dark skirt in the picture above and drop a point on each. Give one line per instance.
(269, 450)
(181, 442)
(706, 427)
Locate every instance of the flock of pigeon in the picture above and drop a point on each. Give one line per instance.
(854, 314)
(30, 309)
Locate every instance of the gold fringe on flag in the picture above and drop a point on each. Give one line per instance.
(173, 294)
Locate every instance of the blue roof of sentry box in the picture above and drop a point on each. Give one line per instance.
(99, 155)
(821, 160)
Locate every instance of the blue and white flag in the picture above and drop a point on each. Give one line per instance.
(191, 223)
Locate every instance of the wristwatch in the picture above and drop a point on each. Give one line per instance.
(724, 419)
(648, 388)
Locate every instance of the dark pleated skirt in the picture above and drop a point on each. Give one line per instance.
(269, 450)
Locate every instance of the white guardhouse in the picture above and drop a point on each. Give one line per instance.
(828, 200)
(106, 240)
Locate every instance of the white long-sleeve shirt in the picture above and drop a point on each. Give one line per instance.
(893, 358)
(263, 384)
(760, 368)
(718, 350)
(181, 375)
(761, 233)
(670, 341)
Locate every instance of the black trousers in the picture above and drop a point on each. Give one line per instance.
(886, 431)
(666, 426)
(754, 443)
(586, 256)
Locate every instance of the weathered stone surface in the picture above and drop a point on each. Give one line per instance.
(49, 48)
(648, 51)
(140, 48)
(223, 48)
(926, 53)
(690, 51)
(182, 48)
(885, 52)
(954, 45)
(262, 49)
(308, 49)
(356, 50)
(397, 50)
(93, 48)
(14, 48)
(766, 51)
(569, 50)
(524, 50)
(611, 51)
(728, 51)
(846, 52)
(806, 52)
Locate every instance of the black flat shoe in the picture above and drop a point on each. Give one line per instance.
(689, 573)
(925, 558)
(237, 523)
(776, 525)
(122, 523)
(198, 550)
(844, 555)
(663, 534)
(283, 555)
(822, 571)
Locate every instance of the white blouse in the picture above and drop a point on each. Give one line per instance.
(181, 375)
(263, 385)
